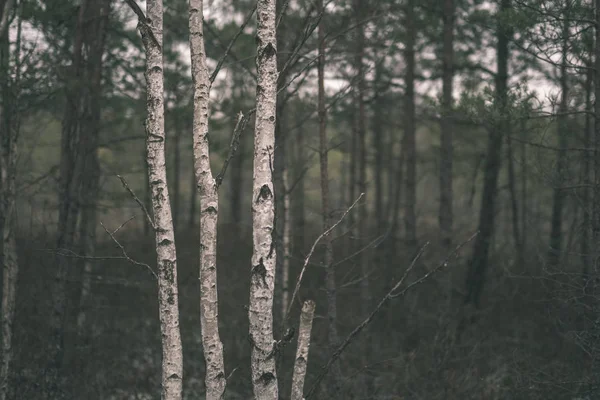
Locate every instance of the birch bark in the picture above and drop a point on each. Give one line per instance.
(260, 311)
(209, 206)
(172, 362)
(301, 362)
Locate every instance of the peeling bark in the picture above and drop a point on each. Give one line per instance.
(260, 311)
(209, 208)
(301, 362)
(172, 354)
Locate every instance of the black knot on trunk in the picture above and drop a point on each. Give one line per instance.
(265, 193)
(266, 378)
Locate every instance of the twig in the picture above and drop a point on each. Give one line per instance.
(433, 271)
(282, 13)
(120, 246)
(137, 200)
(213, 76)
(231, 373)
(312, 250)
(214, 34)
(240, 126)
(390, 295)
(71, 254)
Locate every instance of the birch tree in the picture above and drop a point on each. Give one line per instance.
(260, 310)
(151, 29)
(209, 206)
(301, 361)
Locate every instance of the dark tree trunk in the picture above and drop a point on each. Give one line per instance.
(279, 166)
(596, 203)
(410, 216)
(587, 216)
(524, 196)
(298, 197)
(558, 193)
(512, 185)
(71, 165)
(330, 283)
(479, 260)
(446, 215)
(378, 144)
(361, 152)
(177, 175)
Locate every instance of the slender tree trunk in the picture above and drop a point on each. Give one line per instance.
(209, 206)
(71, 165)
(95, 39)
(9, 128)
(330, 284)
(361, 150)
(596, 194)
(513, 202)
(285, 272)
(193, 200)
(301, 362)
(299, 224)
(378, 137)
(298, 198)
(524, 196)
(446, 214)
(168, 298)
(262, 287)
(177, 176)
(280, 166)
(410, 216)
(352, 179)
(237, 163)
(6, 7)
(587, 216)
(558, 193)
(487, 214)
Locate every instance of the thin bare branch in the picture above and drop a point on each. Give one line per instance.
(240, 126)
(123, 251)
(213, 76)
(390, 295)
(312, 250)
(137, 200)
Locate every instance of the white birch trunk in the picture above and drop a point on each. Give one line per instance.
(172, 360)
(301, 362)
(209, 206)
(260, 312)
